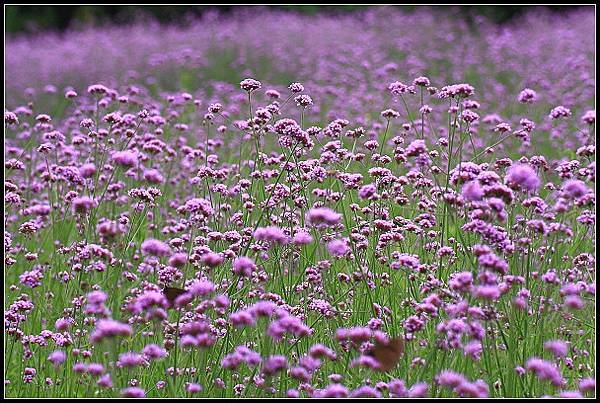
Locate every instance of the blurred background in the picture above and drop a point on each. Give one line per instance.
(21, 19)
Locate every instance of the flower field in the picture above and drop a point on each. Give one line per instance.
(270, 204)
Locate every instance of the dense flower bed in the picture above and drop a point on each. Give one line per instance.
(268, 204)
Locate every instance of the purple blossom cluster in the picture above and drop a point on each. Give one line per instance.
(218, 209)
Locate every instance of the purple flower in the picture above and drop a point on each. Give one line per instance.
(587, 385)
(473, 349)
(477, 389)
(296, 87)
(133, 392)
(31, 279)
(57, 357)
(178, 259)
(472, 191)
(287, 324)
(545, 371)
(243, 266)
(421, 81)
(491, 292)
(323, 217)
(303, 101)
(320, 350)
(462, 281)
(338, 247)
(131, 359)
(589, 117)
(560, 112)
(398, 88)
(557, 347)
(574, 188)
(456, 90)
(367, 191)
(201, 288)
(406, 260)
(154, 351)
(450, 378)
(95, 369)
(271, 234)
(250, 85)
(79, 367)
(125, 158)
(242, 354)
(527, 96)
(333, 390)
(302, 238)
(274, 364)
(418, 390)
(11, 118)
(416, 148)
(212, 259)
(155, 247)
(109, 328)
(365, 361)
(397, 388)
(570, 394)
(154, 176)
(292, 393)
(82, 205)
(105, 381)
(574, 302)
(197, 205)
(193, 388)
(522, 176)
(365, 391)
